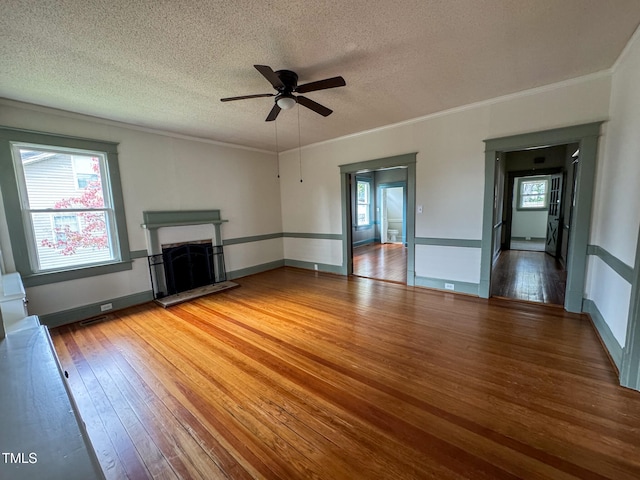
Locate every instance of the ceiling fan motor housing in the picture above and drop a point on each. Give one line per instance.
(289, 80)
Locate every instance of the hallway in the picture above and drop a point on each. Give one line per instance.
(531, 276)
(382, 261)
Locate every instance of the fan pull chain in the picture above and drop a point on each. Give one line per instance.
(275, 124)
(299, 147)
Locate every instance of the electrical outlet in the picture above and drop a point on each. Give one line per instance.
(106, 306)
(449, 286)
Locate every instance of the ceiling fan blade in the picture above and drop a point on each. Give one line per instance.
(270, 75)
(315, 106)
(321, 85)
(244, 97)
(273, 113)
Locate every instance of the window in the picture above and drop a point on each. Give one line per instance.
(363, 217)
(533, 193)
(83, 219)
(64, 227)
(63, 205)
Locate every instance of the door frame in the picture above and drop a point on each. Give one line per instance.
(586, 136)
(407, 160)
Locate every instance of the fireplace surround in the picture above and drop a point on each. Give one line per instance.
(187, 266)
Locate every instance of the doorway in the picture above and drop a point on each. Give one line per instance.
(379, 224)
(494, 228)
(383, 172)
(528, 265)
(393, 212)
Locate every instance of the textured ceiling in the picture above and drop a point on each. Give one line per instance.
(166, 64)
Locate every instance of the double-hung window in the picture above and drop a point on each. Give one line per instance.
(64, 206)
(533, 193)
(363, 202)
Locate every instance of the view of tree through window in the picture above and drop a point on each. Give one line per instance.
(68, 207)
(533, 194)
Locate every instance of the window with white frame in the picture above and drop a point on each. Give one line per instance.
(83, 230)
(533, 193)
(363, 201)
(63, 206)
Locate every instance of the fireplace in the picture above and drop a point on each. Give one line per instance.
(188, 266)
(186, 258)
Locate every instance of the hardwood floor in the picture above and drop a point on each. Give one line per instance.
(382, 261)
(532, 276)
(298, 375)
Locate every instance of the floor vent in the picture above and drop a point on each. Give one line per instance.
(91, 321)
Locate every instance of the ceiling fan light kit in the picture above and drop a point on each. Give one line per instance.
(285, 102)
(286, 84)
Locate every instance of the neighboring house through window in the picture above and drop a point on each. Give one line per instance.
(64, 205)
(84, 170)
(64, 226)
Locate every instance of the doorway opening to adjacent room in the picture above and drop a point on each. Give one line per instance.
(550, 172)
(379, 224)
(537, 204)
(379, 234)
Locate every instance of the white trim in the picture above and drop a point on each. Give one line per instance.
(130, 126)
(469, 106)
(635, 37)
(462, 108)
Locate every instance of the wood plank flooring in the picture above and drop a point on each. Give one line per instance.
(531, 276)
(382, 261)
(298, 375)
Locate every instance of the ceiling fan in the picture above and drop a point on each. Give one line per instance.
(286, 83)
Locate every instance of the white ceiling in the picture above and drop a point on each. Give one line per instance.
(166, 64)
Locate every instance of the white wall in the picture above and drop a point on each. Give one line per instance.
(164, 172)
(395, 205)
(161, 172)
(449, 170)
(617, 199)
(527, 223)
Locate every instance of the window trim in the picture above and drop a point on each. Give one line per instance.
(13, 208)
(521, 180)
(371, 220)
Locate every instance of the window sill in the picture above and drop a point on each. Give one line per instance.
(36, 279)
(537, 209)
